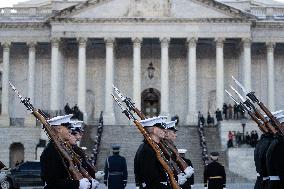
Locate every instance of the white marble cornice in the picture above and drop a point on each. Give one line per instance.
(17, 25)
(152, 20)
(269, 25)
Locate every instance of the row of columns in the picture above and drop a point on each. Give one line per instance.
(109, 105)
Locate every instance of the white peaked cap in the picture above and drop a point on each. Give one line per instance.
(76, 123)
(182, 151)
(171, 124)
(152, 121)
(58, 120)
(280, 118)
(276, 113)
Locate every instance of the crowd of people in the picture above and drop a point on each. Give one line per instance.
(236, 138)
(77, 114)
(232, 112)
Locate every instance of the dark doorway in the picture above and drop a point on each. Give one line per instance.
(16, 154)
(150, 101)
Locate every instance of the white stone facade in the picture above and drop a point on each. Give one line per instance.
(71, 57)
(75, 54)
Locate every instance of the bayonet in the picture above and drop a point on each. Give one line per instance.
(119, 94)
(240, 85)
(240, 96)
(126, 111)
(232, 97)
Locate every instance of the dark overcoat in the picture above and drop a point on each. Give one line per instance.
(115, 172)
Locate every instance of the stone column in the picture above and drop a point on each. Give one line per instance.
(164, 76)
(191, 59)
(30, 120)
(219, 73)
(109, 108)
(247, 63)
(137, 72)
(4, 119)
(82, 76)
(54, 90)
(270, 70)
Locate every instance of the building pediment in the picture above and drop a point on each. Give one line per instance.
(125, 9)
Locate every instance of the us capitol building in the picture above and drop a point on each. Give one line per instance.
(170, 56)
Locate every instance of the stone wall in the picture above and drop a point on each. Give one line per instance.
(28, 137)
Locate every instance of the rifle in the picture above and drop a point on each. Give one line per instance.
(151, 142)
(253, 98)
(164, 144)
(75, 169)
(250, 112)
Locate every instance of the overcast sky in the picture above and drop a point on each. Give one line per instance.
(9, 3)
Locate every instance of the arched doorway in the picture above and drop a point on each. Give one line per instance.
(17, 152)
(150, 102)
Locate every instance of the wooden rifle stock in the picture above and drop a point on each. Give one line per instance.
(75, 169)
(59, 145)
(167, 145)
(271, 117)
(182, 164)
(260, 125)
(156, 148)
(266, 122)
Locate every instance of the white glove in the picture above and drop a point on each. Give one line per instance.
(224, 188)
(189, 171)
(84, 183)
(181, 178)
(95, 184)
(137, 187)
(99, 175)
(192, 186)
(205, 188)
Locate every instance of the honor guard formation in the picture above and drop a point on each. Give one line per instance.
(158, 164)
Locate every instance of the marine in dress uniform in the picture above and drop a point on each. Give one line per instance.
(274, 160)
(190, 181)
(149, 173)
(54, 170)
(115, 170)
(171, 135)
(77, 133)
(214, 174)
(260, 160)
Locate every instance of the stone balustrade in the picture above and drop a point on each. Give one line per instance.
(264, 12)
(20, 12)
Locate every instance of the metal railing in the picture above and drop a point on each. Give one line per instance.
(96, 148)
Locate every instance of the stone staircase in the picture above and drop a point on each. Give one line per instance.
(129, 138)
(214, 144)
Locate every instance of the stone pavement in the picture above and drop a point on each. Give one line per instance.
(200, 186)
(197, 186)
